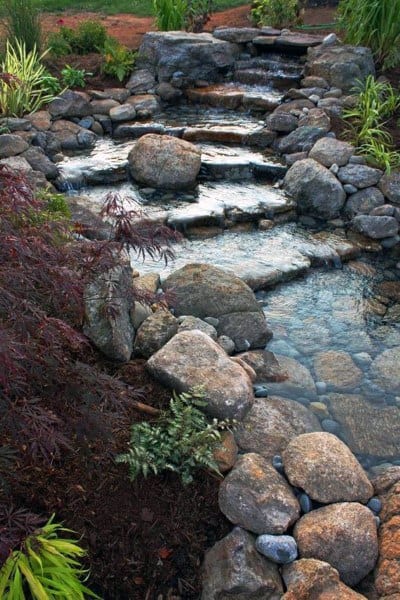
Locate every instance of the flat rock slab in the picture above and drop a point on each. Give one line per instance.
(234, 564)
(337, 369)
(385, 370)
(365, 428)
(272, 423)
(343, 535)
(254, 496)
(325, 468)
(192, 358)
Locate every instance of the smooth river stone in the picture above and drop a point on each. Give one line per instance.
(254, 496)
(367, 429)
(271, 423)
(337, 369)
(325, 468)
(298, 383)
(343, 535)
(385, 370)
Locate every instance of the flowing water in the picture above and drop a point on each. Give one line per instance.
(331, 317)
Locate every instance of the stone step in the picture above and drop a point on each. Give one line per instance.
(266, 78)
(234, 97)
(271, 63)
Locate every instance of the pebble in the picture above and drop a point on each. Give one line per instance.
(321, 387)
(320, 409)
(305, 502)
(362, 359)
(330, 426)
(375, 505)
(350, 189)
(277, 463)
(281, 549)
(334, 169)
(260, 391)
(377, 521)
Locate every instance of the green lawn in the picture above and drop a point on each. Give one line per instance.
(142, 8)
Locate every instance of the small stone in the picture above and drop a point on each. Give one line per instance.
(281, 549)
(306, 504)
(260, 391)
(321, 387)
(375, 504)
(350, 189)
(320, 409)
(278, 464)
(330, 426)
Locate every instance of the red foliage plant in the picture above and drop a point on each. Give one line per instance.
(43, 272)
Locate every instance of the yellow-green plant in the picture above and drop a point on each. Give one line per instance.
(376, 102)
(23, 87)
(118, 59)
(276, 13)
(182, 440)
(373, 23)
(46, 567)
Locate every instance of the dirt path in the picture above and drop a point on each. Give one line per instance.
(129, 29)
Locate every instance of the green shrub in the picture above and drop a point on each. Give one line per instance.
(182, 440)
(90, 36)
(118, 60)
(72, 77)
(376, 102)
(24, 81)
(276, 13)
(46, 567)
(23, 23)
(373, 23)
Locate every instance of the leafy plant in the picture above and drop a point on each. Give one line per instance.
(23, 23)
(72, 77)
(45, 566)
(24, 81)
(181, 441)
(197, 14)
(276, 13)
(51, 83)
(373, 23)
(376, 102)
(170, 14)
(118, 59)
(90, 36)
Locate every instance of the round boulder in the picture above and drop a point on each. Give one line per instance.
(343, 535)
(326, 469)
(166, 162)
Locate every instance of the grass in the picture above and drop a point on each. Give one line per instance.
(141, 8)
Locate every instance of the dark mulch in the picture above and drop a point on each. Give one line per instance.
(146, 539)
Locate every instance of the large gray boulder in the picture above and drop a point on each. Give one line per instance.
(112, 332)
(233, 568)
(154, 332)
(363, 201)
(343, 535)
(12, 145)
(255, 496)
(324, 467)
(71, 104)
(341, 66)
(193, 55)
(390, 187)
(360, 176)
(203, 291)
(272, 423)
(375, 227)
(166, 162)
(301, 139)
(192, 358)
(317, 191)
(329, 151)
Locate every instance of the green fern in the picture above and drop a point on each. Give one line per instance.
(182, 440)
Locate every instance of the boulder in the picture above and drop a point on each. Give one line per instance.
(166, 162)
(365, 428)
(193, 56)
(144, 104)
(122, 112)
(316, 117)
(317, 191)
(340, 65)
(298, 382)
(247, 330)
(324, 467)
(385, 370)
(390, 187)
(141, 80)
(265, 365)
(233, 568)
(103, 106)
(301, 139)
(188, 323)
(154, 332)
(192, 358)
(363, 201)
(330, 151)
(256, 497)
(70, 104)
(281, 121)
(12, 145)
(343, 535)
(337, 369)
(376, 228)
(112, 333)
(360, 176)
(308, 578)
(225, 452)
(272, 423)
(387, 574)
(40, 162)
(71, 136)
